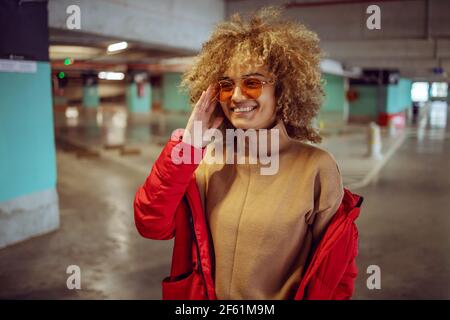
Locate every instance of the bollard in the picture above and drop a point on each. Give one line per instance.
(392, 128)
(114, 126)
(374, 141)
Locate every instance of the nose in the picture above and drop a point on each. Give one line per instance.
(237, 95)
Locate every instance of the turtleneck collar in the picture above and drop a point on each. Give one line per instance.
(278, 130)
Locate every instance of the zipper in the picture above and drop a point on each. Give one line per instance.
(197, 247)
(191, 221)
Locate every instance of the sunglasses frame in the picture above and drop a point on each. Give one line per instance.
(263, 83)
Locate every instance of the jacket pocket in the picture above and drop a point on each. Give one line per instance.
(187, 286)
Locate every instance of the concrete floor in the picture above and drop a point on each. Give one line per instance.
(405, 223)
(97, 233)
(404, 227)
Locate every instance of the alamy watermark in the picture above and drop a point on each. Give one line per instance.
(73, 21)
(374, 280)
(262, 146)
(373, 22)
(74, 280)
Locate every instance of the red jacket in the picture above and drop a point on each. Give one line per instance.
(170, 196)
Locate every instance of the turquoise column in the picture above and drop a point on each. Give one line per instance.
(334, 93)
(365, 106)
(27, 148)
(333, 109)
(399, 96)
(381, 102)
(28, 197)
(429, 91)
(172, 98)
(448, 93)
(139, 103)
(91, 98)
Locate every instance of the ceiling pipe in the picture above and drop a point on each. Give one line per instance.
(295, 4)
(83, 65)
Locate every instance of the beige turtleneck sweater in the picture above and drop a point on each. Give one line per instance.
(263, 226)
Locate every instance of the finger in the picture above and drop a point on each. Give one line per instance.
(212, 104)
(207, 98)
(209, 94)
(205, 101)
(210, 88)
(200, 100)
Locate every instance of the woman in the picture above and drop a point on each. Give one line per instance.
(240, 234)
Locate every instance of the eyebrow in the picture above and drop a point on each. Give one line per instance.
(244, 76)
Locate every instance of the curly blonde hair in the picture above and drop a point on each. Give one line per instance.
(289, 50)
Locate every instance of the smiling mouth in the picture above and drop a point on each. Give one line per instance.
(243, 109)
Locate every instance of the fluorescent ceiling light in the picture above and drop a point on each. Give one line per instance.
(117, 46)
(61, 52)
(106, 75)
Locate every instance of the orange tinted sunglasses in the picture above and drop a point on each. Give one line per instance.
(251, 87)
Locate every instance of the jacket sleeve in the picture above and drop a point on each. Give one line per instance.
(345, 287)
(156, 201)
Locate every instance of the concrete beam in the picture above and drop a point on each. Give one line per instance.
(414, 19)
(415, 34)
(439, 18)
(379, 49)
(394, 63)
(166, 24)
(417, 75)
(443, 48)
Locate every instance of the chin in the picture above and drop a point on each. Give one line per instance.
(242, 124)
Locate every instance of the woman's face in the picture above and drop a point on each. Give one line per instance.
(246, 112)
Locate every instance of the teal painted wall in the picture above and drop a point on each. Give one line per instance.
(91, 99)
(136, 103)
(334, 93)
(27, 148)
(398, 96)
(172, 98)
(366, 104)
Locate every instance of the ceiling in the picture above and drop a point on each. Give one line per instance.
(89, 53)
(414, 37)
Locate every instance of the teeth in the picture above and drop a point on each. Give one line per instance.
(244, 109)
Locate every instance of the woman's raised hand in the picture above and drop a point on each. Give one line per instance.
(202, 115)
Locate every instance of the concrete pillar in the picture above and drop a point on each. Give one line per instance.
(363, 103)
(139, 94)
(333, 110)
(448, 93)
(398, 100)
(172, 98)
(91, 98)
(380, 98)
(28, 197)
(430, 84)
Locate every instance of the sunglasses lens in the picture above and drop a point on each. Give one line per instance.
(225, 90)
(252, 87)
